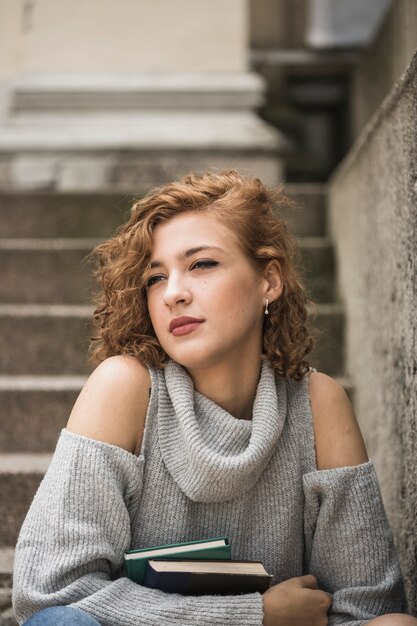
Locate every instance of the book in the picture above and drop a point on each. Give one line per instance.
(135, 560)
(191, 577)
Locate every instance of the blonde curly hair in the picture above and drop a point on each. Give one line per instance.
(121, 320)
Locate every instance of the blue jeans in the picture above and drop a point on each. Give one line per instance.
(61, 616)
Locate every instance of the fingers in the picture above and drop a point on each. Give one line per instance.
(308, 581)
(329, 599)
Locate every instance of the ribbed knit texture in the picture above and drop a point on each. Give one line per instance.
(221, 455)
(203, 473)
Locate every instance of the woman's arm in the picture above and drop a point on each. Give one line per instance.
(349, 543)
(338, 438)
(71, 545)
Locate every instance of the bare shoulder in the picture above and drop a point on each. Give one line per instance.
(112, 405)
(338, 437)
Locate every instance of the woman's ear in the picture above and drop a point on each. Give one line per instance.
(273, 278)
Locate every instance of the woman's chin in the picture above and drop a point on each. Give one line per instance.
(192, 358)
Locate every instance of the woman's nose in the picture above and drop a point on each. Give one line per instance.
(176, 291)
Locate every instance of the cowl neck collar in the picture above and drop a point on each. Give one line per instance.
(210, 454)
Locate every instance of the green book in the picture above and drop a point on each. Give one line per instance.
(207, 549)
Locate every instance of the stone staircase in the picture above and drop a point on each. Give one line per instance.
(44, 327)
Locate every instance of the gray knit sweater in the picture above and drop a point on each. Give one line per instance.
(202, 473)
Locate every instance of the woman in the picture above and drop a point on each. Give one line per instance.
(204, 419)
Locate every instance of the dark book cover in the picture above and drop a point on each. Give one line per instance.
(205, 583)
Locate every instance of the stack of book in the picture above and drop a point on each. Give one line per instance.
(196, 568)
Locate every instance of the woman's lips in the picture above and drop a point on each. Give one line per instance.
(185, 329)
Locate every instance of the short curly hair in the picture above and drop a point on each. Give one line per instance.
(121, 320)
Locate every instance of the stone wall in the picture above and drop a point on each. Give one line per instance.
(374, 223)
(384, 61)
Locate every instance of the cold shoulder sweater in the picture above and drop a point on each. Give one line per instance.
(202, 473)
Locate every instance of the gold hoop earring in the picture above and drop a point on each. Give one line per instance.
(266, 307)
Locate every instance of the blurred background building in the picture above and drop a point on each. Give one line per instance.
(100, 100)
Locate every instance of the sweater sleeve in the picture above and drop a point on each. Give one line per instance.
(71, 545)
(349, 544)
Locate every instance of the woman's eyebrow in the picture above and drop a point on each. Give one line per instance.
(186, 254)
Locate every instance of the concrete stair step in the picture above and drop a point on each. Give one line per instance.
(317, 268)
(54, 338)
(52, 271)
(20, 475)
(6, 566)
(308, 218)
(5, 598)
(34, 409)
(52, 214)
(56, 271)
(46, 339)
(8, 618)
(328, 354)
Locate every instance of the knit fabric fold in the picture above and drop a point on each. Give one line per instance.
(210, 454)
(376, 584)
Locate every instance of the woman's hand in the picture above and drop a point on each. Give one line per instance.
(296, 602)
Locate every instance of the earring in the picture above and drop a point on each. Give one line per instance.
(266, 307)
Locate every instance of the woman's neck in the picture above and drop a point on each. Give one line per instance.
(230, 385)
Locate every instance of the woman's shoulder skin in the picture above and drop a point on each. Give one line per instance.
(112, 405)
(338, 438)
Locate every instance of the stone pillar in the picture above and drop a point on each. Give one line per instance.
(126, 94)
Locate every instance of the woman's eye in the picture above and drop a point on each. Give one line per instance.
(152, 280)
(204, 263)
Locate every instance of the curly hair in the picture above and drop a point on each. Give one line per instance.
(121, 320)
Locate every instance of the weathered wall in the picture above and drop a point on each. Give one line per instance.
(384, 61)
(374, 222)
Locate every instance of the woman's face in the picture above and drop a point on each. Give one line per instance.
(205, 299)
